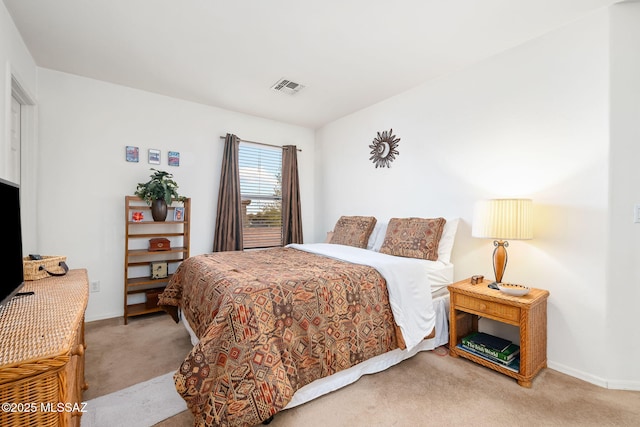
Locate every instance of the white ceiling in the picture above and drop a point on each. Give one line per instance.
(348, 53)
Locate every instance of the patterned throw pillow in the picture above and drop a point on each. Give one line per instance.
(353, 231)
(413, 237)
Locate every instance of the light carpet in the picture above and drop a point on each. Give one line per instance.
(141, 405)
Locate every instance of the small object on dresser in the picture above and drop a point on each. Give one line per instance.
(137, 216)
(476, 279)
(36, 267)
(159, 270)
(159, 244)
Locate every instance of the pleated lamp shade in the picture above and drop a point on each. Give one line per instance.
(503, 219)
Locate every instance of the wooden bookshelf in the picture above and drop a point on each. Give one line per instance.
(138, 258)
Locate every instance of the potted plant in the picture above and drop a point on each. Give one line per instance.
(159, 192)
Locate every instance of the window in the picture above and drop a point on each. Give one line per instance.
(261, 191)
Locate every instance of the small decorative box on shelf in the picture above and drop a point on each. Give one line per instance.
(159, 244)
(528, 312)
(159, 270)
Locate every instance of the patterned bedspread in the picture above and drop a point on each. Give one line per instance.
(270, 322)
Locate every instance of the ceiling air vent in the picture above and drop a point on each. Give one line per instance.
(287, 86)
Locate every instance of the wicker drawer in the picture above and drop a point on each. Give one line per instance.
(496, 310)
(42, 388)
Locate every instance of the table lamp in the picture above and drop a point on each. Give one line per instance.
(502, 219)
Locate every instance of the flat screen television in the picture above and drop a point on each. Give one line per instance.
(12, 274)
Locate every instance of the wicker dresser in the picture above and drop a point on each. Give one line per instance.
(42, 353)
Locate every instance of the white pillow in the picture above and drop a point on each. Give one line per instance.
(374, 234)
(446, 241)
(444, 247)
(381, 234)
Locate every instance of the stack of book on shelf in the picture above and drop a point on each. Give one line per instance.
(493, 348)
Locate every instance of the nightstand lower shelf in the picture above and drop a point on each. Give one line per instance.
(523, 380)
(514, 366)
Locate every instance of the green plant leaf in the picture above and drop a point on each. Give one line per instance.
(161, 186)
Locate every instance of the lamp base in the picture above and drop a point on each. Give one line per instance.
(499, 259)
(493, 285)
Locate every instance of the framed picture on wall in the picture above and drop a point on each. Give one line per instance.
(132, 154)
(154, 156)
(174, 158)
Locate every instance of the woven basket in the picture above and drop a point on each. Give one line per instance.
(32, 270)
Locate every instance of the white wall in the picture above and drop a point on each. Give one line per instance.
(624, 279)
(17, 63)
(83, 176)
(16, 60)
(531, 122)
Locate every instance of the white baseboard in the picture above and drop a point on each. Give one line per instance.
(601, 382)
(578, 374)
(624, 385)
(103, 316)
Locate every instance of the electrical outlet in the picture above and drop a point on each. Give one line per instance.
(636, 213)
(95, 286)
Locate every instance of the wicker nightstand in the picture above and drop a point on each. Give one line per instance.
(529, 313)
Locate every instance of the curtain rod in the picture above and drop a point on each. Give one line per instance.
(259, 143)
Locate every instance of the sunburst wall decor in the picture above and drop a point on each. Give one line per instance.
(384, 149)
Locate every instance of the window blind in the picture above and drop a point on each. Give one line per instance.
(261, 191)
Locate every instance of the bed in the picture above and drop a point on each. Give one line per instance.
(277, 328)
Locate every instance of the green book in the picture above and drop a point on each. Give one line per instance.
(489, 341)
(505, 355)
(513, 364)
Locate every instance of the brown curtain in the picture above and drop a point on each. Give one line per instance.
(228, 235)
(291, 210)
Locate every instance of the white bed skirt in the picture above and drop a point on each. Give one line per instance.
(376, 364)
